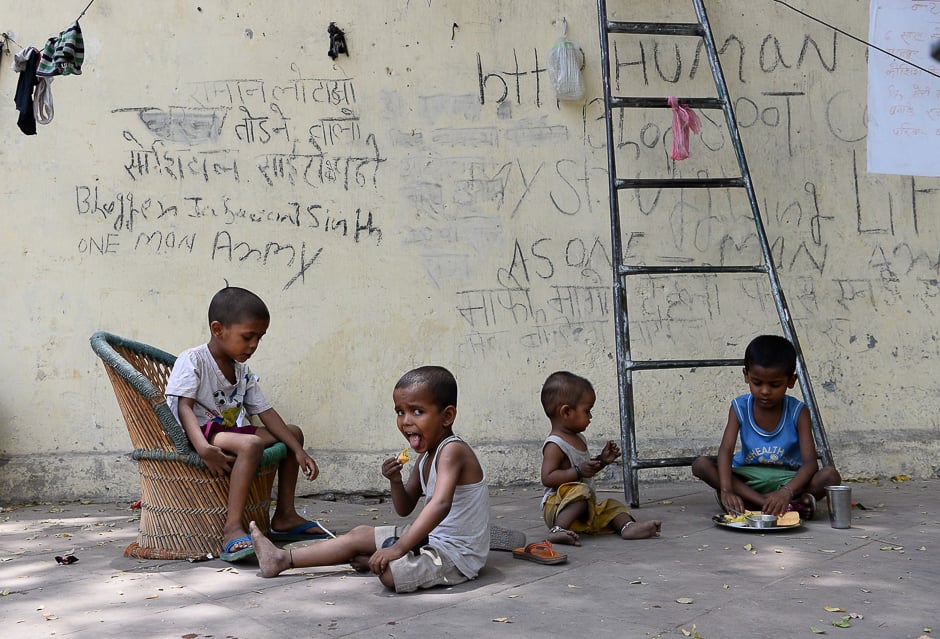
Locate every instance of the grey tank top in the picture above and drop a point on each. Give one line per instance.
(575, 457)
(464, 535)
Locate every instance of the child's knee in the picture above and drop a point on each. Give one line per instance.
(578, 508)
(250, 447)
(701, 465)
(829, 475)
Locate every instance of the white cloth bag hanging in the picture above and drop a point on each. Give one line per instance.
(564, 68)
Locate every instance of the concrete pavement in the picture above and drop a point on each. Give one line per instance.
(880, 578)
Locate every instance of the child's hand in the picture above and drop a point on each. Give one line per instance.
(610, 453)
(308, 467)
(391, 469)
(776, 503)
(591, 467)
(381, 558)
(732, 501)
(217, 460)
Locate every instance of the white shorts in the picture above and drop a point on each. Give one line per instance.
(423, 567)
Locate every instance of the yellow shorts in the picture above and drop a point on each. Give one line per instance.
(600, 514)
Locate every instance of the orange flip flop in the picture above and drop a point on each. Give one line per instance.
(540, 552)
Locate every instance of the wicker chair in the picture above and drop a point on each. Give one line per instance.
(183, 505)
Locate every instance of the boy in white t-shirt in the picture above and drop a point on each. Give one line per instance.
(212, 392)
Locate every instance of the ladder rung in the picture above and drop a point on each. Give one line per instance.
(623, 102)
(636, 269)
(663, 462)
(679, 183)
(656, 28)
(666, 364)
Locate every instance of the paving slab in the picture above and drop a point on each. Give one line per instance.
(697, 579)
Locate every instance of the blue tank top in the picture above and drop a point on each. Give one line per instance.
(779, 447)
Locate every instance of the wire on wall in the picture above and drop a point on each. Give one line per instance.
(8, 38)
(857, 39)
(82, 14)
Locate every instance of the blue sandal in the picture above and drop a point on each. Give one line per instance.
(300, 532)
(237, 555)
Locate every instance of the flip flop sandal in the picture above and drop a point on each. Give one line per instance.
(237, 555)
(299, 532)
(540, 552)
(506, 538)
(805, 505)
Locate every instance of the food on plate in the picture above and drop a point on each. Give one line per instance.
(791, 518)
(403, 457)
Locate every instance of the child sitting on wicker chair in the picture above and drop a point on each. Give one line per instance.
(212, 393)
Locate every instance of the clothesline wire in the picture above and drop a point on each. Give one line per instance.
(865, 42)
(6, 36)
(81, 15)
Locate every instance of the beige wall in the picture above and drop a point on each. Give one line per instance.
(425, 200)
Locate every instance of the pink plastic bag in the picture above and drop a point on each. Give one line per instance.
(683, 119)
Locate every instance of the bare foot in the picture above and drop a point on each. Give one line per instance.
(271, 559)
(559, 535)
(642, 529)
(360, 563)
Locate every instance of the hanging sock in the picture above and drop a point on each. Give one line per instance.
(42, 100)
(25, 63)
(683, 119)
(63, 54)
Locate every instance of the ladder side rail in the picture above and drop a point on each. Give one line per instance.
(823, 450)
(783, 311)
(621, 321)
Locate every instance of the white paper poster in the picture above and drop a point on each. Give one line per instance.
(903, 101)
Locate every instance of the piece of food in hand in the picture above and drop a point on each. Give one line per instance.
(403, 457)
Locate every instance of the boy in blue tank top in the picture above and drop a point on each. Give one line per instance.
(775, 470)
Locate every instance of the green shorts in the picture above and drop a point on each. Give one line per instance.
(764, 479)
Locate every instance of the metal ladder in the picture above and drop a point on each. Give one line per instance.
(626, 365)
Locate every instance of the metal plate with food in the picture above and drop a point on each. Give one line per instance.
(790, 521)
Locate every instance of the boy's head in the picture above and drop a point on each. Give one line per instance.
(238, 319)
(563, 388)
(234, 305)
(426, 405)
(769, 369)
(439, 381)
(771, 352)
